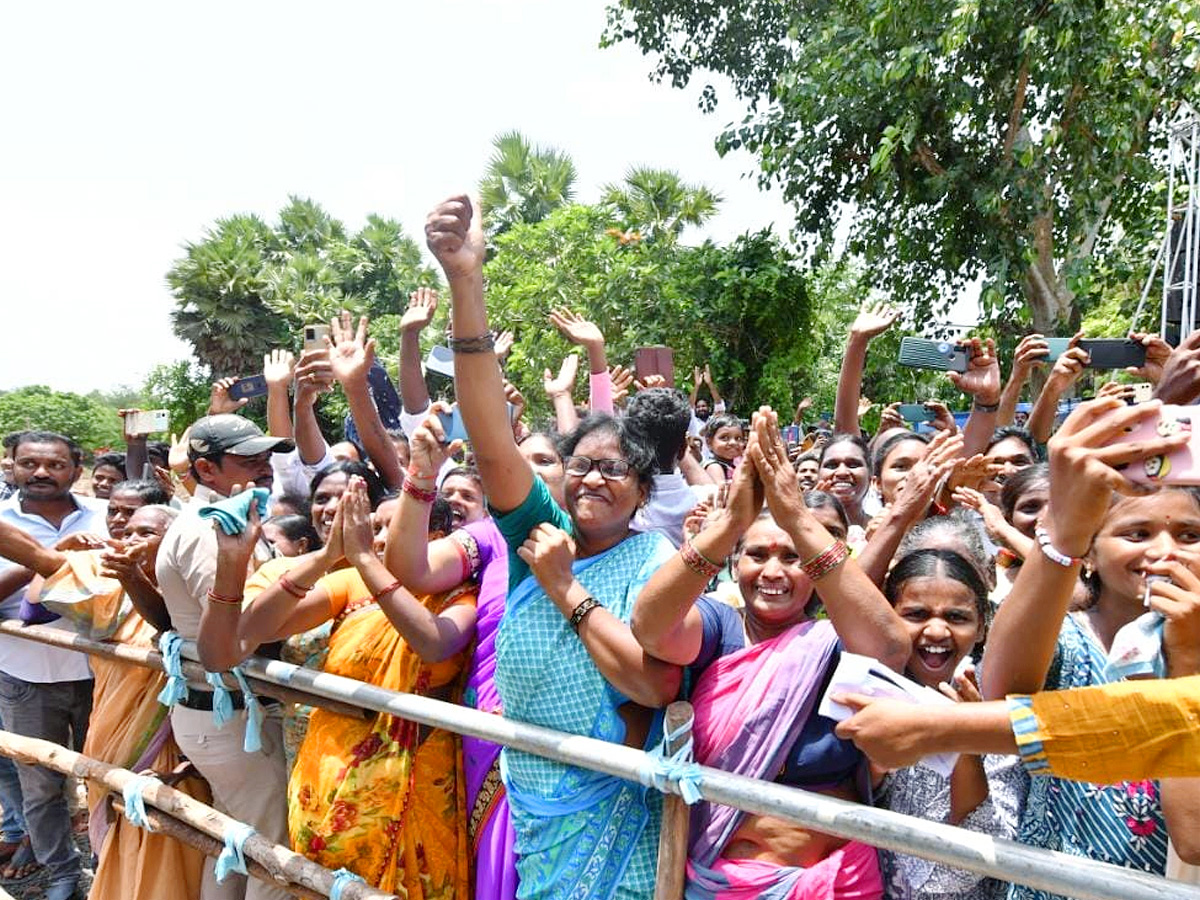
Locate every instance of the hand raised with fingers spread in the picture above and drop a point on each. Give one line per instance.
(651, 381)
(874, 319)
(622, 379)
(220, 402)
(422, 304)
(351, 352)
(575, 328)
(504, 344)
(697, 377)
(454, 234)
(565, 380)
(358, 531)
(769, 454)
(993, 518)
(278, 367)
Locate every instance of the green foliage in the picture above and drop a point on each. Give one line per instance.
(94, 425)
(659, 204)
(743, 308)
(523, 183)
(248, 287)
(1014, 141)
(182, 388)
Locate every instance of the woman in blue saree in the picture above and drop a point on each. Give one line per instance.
(565, 656)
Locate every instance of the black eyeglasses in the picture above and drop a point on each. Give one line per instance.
(610, 469)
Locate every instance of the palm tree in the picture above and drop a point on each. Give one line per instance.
(524, 183)
(659, 204)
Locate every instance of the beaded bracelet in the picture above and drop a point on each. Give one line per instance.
(826, 561)
(292, 588)
(394, 586)
(214, 597)
(586, 605)
(485, 343)
(409, 487)
(697, 561)
(1053, 554)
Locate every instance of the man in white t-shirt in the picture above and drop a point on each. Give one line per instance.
(46, 692)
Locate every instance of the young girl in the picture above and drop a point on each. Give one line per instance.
(943, 601)
(1122, 544)
(726, 441)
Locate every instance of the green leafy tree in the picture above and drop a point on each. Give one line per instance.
(725, 306)
(659, 204)
(248, 287)
(524, 183)
(92, 423)
(1017, 142)
(181, 388)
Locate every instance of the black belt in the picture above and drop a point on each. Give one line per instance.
(203, 700)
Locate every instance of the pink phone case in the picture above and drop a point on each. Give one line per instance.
(1179, 467)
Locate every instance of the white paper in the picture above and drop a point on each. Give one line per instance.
(863, 675)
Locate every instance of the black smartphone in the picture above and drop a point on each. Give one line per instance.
(250, 386)
(1114, 353)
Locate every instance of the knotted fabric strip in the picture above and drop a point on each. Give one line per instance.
(233, 857)
(135, 803)
(170, 644)
(661, 768)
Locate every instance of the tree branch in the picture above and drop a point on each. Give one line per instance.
(1018, 108)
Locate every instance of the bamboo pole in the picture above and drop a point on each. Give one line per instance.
(673, 839)
(148, 658)
(164, 823)
(1046, 870)
(281, 865)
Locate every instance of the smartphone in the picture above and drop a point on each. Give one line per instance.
(654, 361)
(1142, 391)
(452, 425)
(314, 336)
(250, 386)
(1180, 467)
(1114, 353)
(148, 421)
(942, 356)
(791, 434)
(916, 412)
(1058, 346)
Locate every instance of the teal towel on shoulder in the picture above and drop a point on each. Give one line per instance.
(232, 512)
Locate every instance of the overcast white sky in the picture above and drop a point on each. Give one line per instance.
(130, 127)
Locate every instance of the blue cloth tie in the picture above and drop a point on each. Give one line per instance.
(254, 714)
(232, 513)
(341, 879)
(222, 699)
(135, 803)
(170, 644)
(661, 768)
(233, 857)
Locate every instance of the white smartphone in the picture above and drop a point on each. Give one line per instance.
(148, 421)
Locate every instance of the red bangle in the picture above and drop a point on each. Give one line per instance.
(214, 597)
(292, 588)
(395, 585)
(417, 493)
(414, 472)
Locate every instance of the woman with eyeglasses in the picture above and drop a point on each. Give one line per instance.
(565, 656)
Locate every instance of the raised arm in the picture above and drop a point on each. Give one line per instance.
(351, 355)
(278, 368)
(665, 619)
(434, 636)
(982, 382)
(455, 236)
(558, 389)
(863, 619)
(422, 304)
(873, 320)
(423, 566)
(314, 376)
(1030, 354)
(1025, 632)
(1067, 369)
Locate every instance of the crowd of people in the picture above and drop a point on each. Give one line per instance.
(582, 574)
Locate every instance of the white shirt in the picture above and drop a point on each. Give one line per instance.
(27, 660)
(670, 502)
(293, 475)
